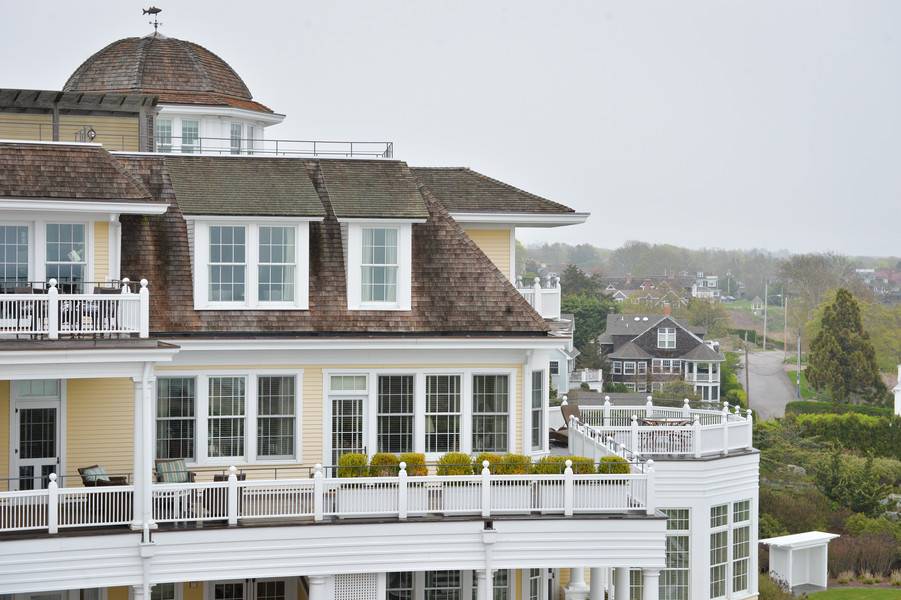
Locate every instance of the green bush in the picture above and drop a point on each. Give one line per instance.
(383, 464)
(879, 435)
(815, 407)
(859, 524)
(513, 464)
(582, 465)
(613, 465)
(550, 465)
(415, 463)
(493, 459)
(768, 589)
(454, 463)
(353, 464)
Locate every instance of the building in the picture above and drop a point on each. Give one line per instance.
(646, 352)
(706, 287)
(197, 327)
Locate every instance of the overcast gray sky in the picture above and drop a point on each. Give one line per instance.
(771, 124)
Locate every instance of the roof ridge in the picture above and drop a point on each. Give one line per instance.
(520, 190)
(185, 46)
(142, 60)
(128, 173)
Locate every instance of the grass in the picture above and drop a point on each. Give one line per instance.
(857, 594)
(806, 392)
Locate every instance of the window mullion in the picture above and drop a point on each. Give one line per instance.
(202, 391)
(250, 417)
(419, 409)
(251, 268)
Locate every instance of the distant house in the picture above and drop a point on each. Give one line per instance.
(648, 351)
(757, 305)
(706, 287)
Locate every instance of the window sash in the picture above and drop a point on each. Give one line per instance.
(537, 425)
(276, 419)
(226, 416)
(163, 136)
(66, 252)
(379, 264)
(276, 264)
(190, 135)
(666, 337)
(175, 418)
(227, 263)
(719, 516)
(629, 368)
(617, 367)
(443, 410)
(395, 413)
(235, 138)
(490, 413)
(13, 254)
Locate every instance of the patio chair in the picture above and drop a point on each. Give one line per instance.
(95, 476)
(97, 508)
(175, 504)
(560, 437)
(173, 471)
(108, 315)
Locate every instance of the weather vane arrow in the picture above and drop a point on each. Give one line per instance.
(153, 11)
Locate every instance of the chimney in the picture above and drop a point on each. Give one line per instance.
(667, 309)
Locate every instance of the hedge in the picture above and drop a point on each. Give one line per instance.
(353, 464)
(816, 407)
(383, 464)
(880, 435)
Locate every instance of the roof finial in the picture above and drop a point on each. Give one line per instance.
(153, 11)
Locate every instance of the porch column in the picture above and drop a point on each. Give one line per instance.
(149, 393)
(598, 579)
(142, 471)
(484, 584)
(137, 469)
(577, 588)
(318, 587)
(650, 584)
(621, 583)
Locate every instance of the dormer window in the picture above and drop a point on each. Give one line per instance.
(379, 266)
(666, 337)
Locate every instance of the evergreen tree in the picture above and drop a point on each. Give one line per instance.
(842, 360)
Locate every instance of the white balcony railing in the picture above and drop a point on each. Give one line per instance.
(322, 498)
(54, 313)
(702, 377)
(638, 431)
(545, 300)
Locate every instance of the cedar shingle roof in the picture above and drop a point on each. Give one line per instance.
(213, 185)
(456, 289)
(178, 71)
(372, 189)
(66, 171)
(463, 190)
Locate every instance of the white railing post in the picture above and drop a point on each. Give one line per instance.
(724, 420)
(606, 411)
(686, 409)
(53, 311)
(52, 505)
(519, 284)
(750, 417)
(486, 490)
(649, 407)
(402, 491)
(232, 495)
(536, 290)
(650, 492)
(318, 493)
(144, 303)
(568, 489)
(696, 431)
(635, 449)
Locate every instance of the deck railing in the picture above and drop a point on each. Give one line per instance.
(260, 147)
(546, 300)
(53, 314)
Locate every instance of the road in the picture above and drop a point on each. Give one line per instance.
(770, 388)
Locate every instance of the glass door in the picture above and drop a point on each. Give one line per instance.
(347, 427)
(35, 433)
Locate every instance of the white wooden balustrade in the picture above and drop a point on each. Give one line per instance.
(545, 300)
(54, 314)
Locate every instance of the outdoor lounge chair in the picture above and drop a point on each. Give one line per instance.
(560, 437)
(95, 476)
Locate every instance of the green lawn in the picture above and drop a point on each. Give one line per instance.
(858, 594)
(806, 392)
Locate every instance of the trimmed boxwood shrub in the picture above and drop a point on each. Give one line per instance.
(493, 459)
(556, 465)
(415, 463)
(582, 465)
(383, 464)
(353, 464)
(513, 464)
(613, 465)
(454, 463)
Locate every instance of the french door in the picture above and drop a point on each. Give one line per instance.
(347, 427)
(35, 433)
(253, 589)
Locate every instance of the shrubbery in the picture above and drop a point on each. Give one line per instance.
(880, 435)
(415, 463)
(816, 407)
(383, 464)
(353, 464)
(869, 552)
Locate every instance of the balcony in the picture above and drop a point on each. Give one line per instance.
(54, 310)
(261, 147)
(702, 377)
(654, 431)
(546, 300)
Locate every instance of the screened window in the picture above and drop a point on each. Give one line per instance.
(674, 578)
(276, 264)
(227, 263)
(163, 135)
(395, 413)
(175, 404)
(442, 413)
(225, 423)
(442, 585)
(666, 337)
(718, 554)
(13, 255)
(275, 417)
(235, 138)
(537, 410)
(190, 136)
(379, 265)
(67, 255)
(400, 586)
(490, 413)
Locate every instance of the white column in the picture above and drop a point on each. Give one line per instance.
(598, 579)
(621, 583)
(577, 588)
(138, 464)
(318, 587)
(147, 453)
(484, 584)
(650, 584)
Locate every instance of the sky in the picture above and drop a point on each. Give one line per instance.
(721, 123)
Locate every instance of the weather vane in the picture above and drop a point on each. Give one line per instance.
(153, 11)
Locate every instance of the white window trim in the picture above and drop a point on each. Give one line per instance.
(629, 367)
(404, 265)
(663, 338)
(208, 586)
(201, 414)
(251, 261)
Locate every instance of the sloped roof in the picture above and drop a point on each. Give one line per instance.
(703, 352)
(372, 189)
(631, 351)
(628, 325)
(215, 185)
(463, 190)
(58, 171)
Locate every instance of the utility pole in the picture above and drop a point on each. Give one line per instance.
(784, 323)
(766, 302)
(747, 372)
(798, 375)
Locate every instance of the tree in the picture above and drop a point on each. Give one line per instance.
(842, 361)
(711, 315)
(574, 281)
(590, 313)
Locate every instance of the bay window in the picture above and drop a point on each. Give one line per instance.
(490, 413)
(442, 413)
(395, 413)
(629, 368)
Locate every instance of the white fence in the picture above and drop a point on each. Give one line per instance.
(53, 314)
(545, 300)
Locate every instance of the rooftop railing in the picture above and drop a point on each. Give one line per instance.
(546, 299)
(261, 147)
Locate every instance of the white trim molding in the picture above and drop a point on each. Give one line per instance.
(522, 219)
(404, 285)
(81, 206)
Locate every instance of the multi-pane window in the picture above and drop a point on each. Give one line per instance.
(630, 386)
(719, 516)
(642, 368)
(629, 368)
(67, 255)
(271, 590)
(190, 135)
(225, 422)
(163, 135)
(617, 367)
(718, 558)
(251, 131)
(175, 404)
(537, 410)
(535, 588)
(490, 413)
(741, 552)
(395, 413)
(741, 511)
(163, 591)
(674, 578)
(276, 264)
(379, 265)
(235, 138)
(641, 387)
(13, 255)
(227, 263)
(502, 585)
(275, 416)
(555, 367)
(228, 591)
(400, 586)
(442, 413)
(347, 427)
(636, 584)
(666, 337)
(442, 585)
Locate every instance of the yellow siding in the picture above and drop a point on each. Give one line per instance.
(495, 243)
(4, 432)
(115, 133)
(101, 251)
(192, 591)
(24, 126)
(99, 425)
(117, 593)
